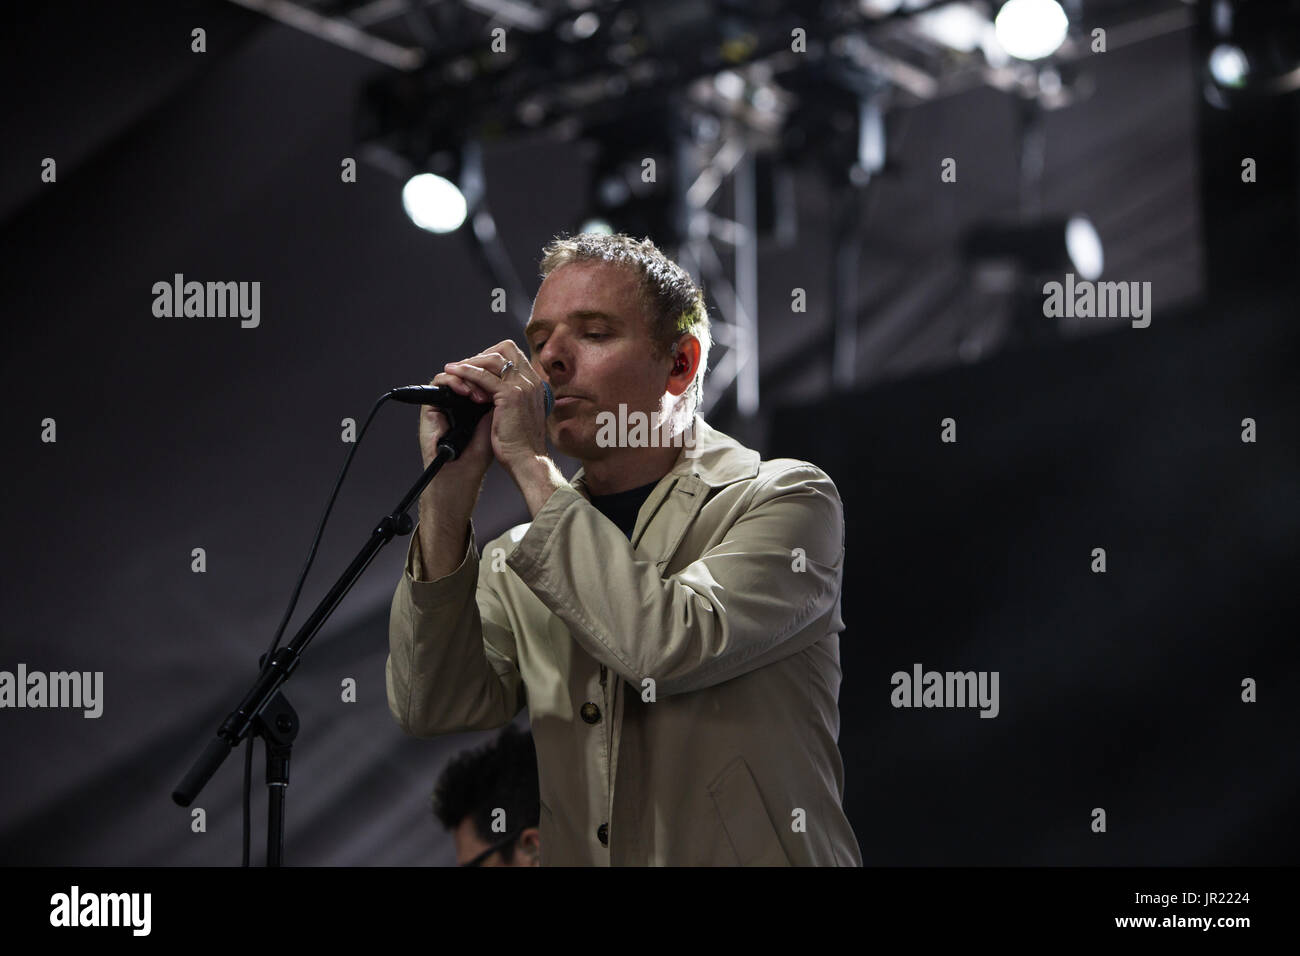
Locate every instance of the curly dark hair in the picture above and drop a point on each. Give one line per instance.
(502, 773)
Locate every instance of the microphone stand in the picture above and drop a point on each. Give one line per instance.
(264, 711)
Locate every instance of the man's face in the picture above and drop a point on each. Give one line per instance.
(469, 845)
(590, 338)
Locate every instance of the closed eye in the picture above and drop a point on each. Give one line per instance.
(537, 346)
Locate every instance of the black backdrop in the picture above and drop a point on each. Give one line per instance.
(1117, 690)
(1120, 690)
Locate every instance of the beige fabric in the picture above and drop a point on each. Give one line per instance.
(727, 597)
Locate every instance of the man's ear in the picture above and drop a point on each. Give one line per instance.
(686, 362)
(530, 845)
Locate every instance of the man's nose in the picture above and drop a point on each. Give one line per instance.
(554, 357)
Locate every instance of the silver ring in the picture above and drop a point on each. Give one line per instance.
(505, 368)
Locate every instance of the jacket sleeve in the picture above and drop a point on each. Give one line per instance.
(452, 660)
(746, 602)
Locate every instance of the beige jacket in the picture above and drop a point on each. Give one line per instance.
(682, 687)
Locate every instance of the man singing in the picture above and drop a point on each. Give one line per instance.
(670, 618)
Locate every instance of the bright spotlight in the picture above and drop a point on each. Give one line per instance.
(1228, 65)
(433, 203)
(1031, 29)
(1084, 247)
(601, 226)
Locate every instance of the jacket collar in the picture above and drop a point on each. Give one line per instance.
(717, 459)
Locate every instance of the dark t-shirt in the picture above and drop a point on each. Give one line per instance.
(622, 506)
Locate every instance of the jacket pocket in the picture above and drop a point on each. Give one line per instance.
(740, 810)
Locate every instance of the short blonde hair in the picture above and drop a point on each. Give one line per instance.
(666, 291)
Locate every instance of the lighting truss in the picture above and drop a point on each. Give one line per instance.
(741, 93)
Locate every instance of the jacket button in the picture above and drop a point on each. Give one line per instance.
(602, 834)
(590, 712)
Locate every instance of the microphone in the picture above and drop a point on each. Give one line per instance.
(464, 413)
(441, 396)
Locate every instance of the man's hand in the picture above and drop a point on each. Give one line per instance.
(472, 463)
(518, 417)
(519, 413)
(447, 503)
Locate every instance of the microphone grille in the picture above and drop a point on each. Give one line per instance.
(550, 398)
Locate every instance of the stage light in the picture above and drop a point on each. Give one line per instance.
(1228, 65)
(1084, 247)
(954, 25)
(1046, 246)
(1254, 50)
(585, 25)
(1031, 29)
(730, 85)
(433, 203)
(601, 226)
